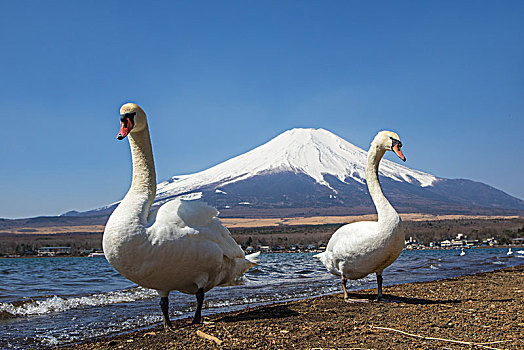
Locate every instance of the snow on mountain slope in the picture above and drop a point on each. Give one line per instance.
(313, 152)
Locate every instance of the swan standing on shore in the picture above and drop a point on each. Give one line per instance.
(180, 246)
(355, 250)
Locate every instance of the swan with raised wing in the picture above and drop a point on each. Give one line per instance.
(358, 249)
(180, 246)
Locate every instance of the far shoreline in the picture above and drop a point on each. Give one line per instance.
(275, 252)
(421, 230)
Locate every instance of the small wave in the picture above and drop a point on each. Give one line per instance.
(232, 302)
(499, 262)
(257, 271)
(265, 298)
(60, 304)
(48, 340)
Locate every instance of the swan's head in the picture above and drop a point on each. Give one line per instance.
(389, 141)
(132, 119)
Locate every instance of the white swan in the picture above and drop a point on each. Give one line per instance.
(509, 252)
(462, 252)
(358, 249)
(181, 246)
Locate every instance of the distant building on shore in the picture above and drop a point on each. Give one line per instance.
(265, 249)
(517, 241)
(490, 241)
(445, 244)
(473, 243)
(54, 251)
(411, 243)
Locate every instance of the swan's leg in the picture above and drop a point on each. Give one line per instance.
(344, 281)
(164, 305)
(379, 289)
(200, 300)
(346, 296)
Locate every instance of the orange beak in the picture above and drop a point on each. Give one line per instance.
(397, 150)
(125, 127)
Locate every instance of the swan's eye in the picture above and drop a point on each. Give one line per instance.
(129, 115)
(395, 142)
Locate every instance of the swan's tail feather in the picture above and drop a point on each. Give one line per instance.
(323, 257)
(234, 275)
(253, 258)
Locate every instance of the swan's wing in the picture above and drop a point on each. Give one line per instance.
(354, 238)
(180, 214)
(196, 213)
(195, 219)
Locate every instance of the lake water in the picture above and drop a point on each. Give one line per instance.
(54, 301)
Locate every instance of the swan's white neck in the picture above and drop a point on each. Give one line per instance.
(143, 188)
(386, 212)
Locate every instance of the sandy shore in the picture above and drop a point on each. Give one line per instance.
(482, 311)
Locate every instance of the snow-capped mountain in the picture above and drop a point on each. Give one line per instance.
(315, 172)
(311, 152)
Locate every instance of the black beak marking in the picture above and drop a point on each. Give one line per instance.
(128, 116)
(395, 142)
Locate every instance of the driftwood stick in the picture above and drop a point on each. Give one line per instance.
(208, 337)
(441, 339)
(494, 342)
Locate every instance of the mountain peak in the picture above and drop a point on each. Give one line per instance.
(306, 135)
(298, 132)
(308, 151)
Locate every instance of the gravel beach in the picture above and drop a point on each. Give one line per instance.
(481, 311)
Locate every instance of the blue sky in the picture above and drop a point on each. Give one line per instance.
(218, 78)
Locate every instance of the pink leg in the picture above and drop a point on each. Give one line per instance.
(346, 296)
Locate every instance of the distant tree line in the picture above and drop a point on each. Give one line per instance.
(504, 230)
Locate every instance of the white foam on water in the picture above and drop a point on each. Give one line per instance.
(48, 340)
(61, 304)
